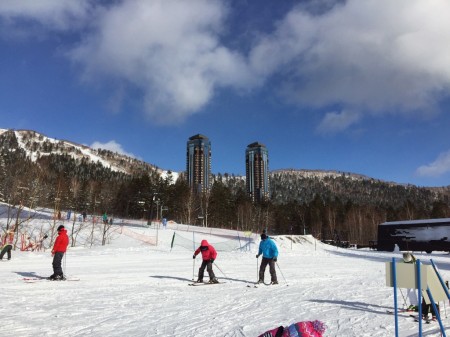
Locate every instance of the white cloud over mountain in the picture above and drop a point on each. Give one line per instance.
(437, 168)
(113, 146)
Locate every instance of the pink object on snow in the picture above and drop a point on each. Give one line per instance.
(299, 329)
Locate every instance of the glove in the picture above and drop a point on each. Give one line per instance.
(274, 259)
(211, 260)
(193, 256)
(257, 256)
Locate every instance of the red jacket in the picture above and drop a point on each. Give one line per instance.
(61, 242)
(208, 253)
(8, 238)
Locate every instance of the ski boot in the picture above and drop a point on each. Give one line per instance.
(214, 280)
(274, 282)
(60, 278)
(199, 281)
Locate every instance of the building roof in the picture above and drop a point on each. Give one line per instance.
(198, 136)
(256, 144)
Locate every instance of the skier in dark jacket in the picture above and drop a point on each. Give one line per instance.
(209, 254)
(269, 251)
(59, 248)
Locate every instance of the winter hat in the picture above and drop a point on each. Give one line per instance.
(60, 227)
(263, 236)
(407, 257)
(308, 328)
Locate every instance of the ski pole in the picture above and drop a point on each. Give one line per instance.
(193, 269)
(257, 270)
(281, 272)
(64, 264)
(405, 305)
(215, 264)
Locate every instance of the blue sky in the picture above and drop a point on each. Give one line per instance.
(358, 86)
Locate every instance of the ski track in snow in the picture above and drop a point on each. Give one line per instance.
(129, 288)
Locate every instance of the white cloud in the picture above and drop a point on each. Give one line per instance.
(338, 121)
(437, 168)
(113, 146)
(170, 50)
(372, 55)
(51, 14)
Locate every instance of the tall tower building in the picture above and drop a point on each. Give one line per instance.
(198, 163)
(257, 171)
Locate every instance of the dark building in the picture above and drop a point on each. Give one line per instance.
(198, 163)
(257, 171)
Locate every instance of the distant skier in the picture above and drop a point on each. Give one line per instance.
(269, 251)
(105, 218)
(209, 254)
(59, 248)
(7, 243)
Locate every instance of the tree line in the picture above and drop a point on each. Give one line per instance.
(330, 207)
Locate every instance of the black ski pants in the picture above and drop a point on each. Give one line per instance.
(6, 250)
(57, 259)
(208, 265)
(427, 308)
(273, 274)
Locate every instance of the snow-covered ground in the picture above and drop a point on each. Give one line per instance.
(132, 288)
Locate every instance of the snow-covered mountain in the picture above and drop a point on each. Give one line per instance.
(36, 145)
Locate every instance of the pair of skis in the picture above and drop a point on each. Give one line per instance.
(416, 317)
(256, 284)
(426, 320)
(195, 284)
(39, 279)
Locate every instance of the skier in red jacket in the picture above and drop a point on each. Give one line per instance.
(7, 242)
(59, 248)
(209, 254)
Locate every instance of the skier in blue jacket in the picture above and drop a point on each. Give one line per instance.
(269, 251)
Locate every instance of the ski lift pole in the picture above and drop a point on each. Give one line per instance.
(281, 272)
(419, 293)
(433, 304)
(394, 281)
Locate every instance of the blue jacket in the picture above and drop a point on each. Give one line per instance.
(268, 249)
